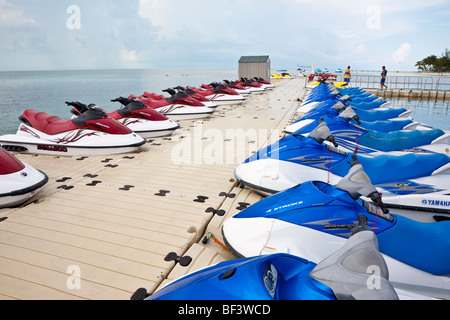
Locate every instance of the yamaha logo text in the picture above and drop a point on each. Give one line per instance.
(440, 203)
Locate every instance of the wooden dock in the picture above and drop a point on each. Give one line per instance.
(105, 226)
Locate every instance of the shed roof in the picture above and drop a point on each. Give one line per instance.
(253, 59)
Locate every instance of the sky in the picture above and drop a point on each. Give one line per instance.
(129, 34)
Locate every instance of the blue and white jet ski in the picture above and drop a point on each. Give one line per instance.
(333, 108)
(306, 221)
(357, 98)
(343, 275)
(383, 125)
(415, 182)
(351, 137)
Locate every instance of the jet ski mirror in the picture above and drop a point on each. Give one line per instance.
(322, 133)
(349, 114)
(357, 183)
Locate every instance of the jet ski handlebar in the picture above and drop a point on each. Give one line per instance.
(123, 100)
(360, 225)
(78, 107)
(170, 91)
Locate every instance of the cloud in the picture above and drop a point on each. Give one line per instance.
(361, 49)
(128, 55)
(173, 33)
(402, 54)
(10, 16)
(346, 36)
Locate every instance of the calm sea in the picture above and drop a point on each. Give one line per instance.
(435, 113)
(47, 91)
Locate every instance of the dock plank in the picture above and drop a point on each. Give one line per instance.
(119, 237)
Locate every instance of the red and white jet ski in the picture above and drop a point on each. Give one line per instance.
(252, 86)
(219, 93)
(174, 111)
(264, 83)
(197, 96)
(237, 87)
(91, 133)
(18, 181)
(143, 120)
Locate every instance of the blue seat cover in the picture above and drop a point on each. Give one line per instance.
(376, 115)
(425, 246)
(384, 125)
(389, 168)
(366, 105)
(398, 140)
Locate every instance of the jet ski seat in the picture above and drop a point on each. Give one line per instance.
(152, 103)
(375, 115)
(153, 96)
(387, 168)
(366, 105)
(46, 123)
(385, 125)
(398, 140)
(411, 248)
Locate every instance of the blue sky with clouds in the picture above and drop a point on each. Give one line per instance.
(81, 34)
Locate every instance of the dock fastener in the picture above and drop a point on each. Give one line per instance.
(201, 199)
(183, 261)
(220, 212)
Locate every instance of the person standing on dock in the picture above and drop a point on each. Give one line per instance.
(383, 77)
(347, 75)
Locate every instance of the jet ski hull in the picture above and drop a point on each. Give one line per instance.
(222, 99)
(150, 129)
(424, 197)
(314, 219)
(18, 187)
(274, 236)
(74, 143)
(182, 112)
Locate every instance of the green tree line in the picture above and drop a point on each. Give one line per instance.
(434, 64)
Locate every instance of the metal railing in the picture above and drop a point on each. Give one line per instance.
(400, 82)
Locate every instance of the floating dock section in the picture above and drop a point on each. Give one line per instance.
(103, 227)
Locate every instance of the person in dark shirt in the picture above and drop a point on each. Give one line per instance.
(383, 77)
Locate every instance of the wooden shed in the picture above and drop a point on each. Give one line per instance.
(254, 66)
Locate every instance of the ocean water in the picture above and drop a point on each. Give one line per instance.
(435, 113)
(47, 91)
